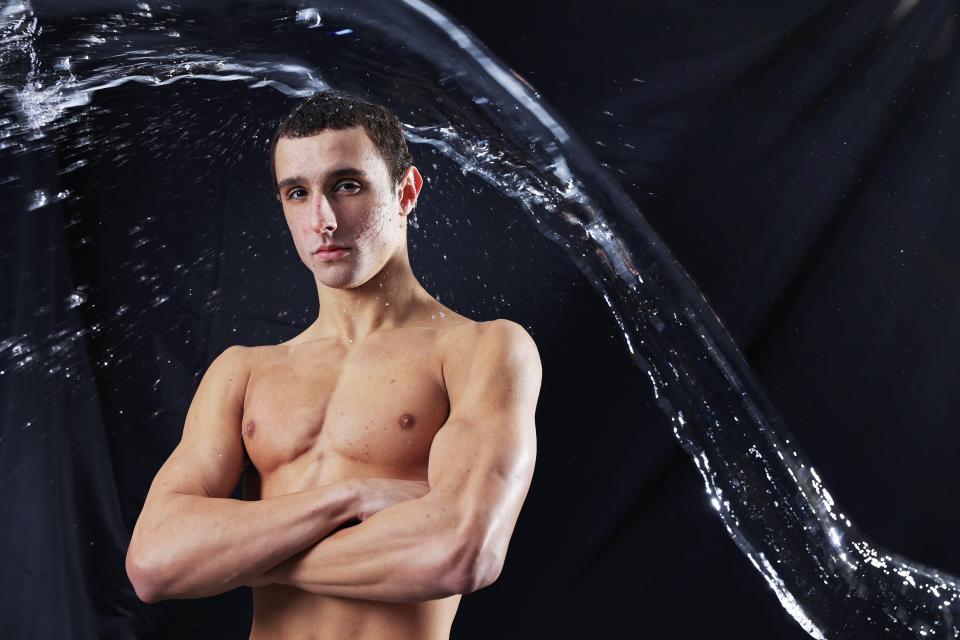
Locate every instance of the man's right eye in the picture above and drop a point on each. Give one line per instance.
(292, 194)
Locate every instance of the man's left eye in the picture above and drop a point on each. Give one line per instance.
(348, 184)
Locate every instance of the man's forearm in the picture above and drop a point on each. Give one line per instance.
(405, 553)
(197, 546)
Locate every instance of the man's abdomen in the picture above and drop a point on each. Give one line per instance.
(281, 612)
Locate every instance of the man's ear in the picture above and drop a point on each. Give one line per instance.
(409, 189)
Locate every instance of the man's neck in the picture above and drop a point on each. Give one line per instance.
(351, 315)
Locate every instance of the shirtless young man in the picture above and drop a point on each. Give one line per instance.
(394, 439)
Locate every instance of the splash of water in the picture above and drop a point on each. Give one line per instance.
(826, 573)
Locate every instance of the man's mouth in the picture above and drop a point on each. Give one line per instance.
(331, 253)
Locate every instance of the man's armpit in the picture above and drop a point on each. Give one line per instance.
(250, 482)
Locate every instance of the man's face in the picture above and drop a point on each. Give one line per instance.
(336, 189)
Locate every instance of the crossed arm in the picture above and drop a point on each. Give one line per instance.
(454, 539)
(451, 540)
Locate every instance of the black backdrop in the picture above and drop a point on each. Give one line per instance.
(800, 159)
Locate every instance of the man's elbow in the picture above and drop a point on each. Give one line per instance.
(145, 579)
(474, 568)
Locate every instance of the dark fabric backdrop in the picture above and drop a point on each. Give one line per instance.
(800, 159)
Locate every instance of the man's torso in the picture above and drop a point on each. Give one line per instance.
(319, 412)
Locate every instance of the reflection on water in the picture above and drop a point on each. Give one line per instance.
(452, 95)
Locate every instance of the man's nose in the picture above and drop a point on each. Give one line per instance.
(322, 215)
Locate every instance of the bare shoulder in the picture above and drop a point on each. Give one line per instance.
(232, 360)
(474, 348)
(232, 368)
(471, 334)
(246, 357)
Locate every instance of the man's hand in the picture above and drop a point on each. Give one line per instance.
(374, 494)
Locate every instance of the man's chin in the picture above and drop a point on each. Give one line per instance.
(335, 283)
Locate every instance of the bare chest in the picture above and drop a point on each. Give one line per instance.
(317, 413)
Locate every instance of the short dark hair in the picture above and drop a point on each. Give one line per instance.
(338, 110)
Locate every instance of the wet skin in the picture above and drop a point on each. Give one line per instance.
(411, 424)
(318, 412)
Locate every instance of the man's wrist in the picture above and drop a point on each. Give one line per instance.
(339, 504)
(349, 500)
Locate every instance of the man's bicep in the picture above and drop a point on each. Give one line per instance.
(482, 466)
(482, 459)
(209, 459)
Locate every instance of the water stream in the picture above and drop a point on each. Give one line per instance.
(452, 94)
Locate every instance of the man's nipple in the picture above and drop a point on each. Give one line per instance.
(407, 420)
